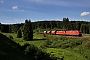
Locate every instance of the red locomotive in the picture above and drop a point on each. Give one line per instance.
(66, 33)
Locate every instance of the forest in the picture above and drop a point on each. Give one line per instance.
(65, 24)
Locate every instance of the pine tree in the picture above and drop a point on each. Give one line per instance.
(85, 28)
(19, 34)
(89, 27)
(66, 24)
(27, 30)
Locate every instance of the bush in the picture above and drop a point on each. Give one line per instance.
(60, 41)
(87, 44)
(24, 46)
(37, 54)
(10, 37)
(19, 34)
(56, 44)
(31, 49)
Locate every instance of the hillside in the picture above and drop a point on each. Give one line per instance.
(9, 50)
(69, 47)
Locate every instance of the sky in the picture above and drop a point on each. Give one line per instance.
(17, 11)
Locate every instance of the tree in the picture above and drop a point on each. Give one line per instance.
(89, 27)
(5, 28)
(84, 28)
(0, 26)
(37, 54)
(78, 25)
(19, 34)
(15, 27)
(27, 30)
(65, 23)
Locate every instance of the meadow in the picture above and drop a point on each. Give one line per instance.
(77, 52)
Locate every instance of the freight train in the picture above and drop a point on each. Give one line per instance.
(64, 32)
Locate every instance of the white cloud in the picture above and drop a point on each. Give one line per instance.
(15, 7)
(85, 13)
(17, 20)
(12, 20)
(17, 10)
(2, 1)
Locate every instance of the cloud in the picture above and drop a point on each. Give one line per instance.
(15, 7)
(12, 20)
(10, 10)
(85, 13)
(2, 1)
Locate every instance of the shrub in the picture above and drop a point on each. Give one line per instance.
(65, 46)
(56, 44)
(60, 41)
(24, 46)
(87, 44)
(31, 49)
(36, 53)
(19, 34)
(10, 37)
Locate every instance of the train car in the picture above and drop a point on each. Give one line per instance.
(73, 33)
(58, 32)
(53, 32)
(65, 32)
(48, 32)
(45, 32)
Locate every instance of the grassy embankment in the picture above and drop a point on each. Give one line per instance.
(38, 39)
(10, 50)
(78, 52)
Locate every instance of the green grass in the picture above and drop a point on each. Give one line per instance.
(17, 40)
(68, 55)
(38, 39)
(38, 36)
(85, 34)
